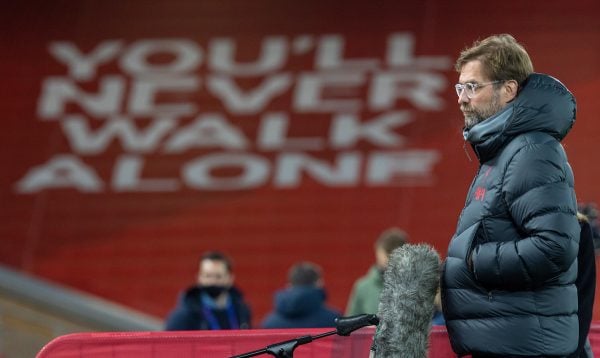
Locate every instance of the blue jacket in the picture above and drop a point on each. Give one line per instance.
(508, 283)
(300, 307)
(194, 312)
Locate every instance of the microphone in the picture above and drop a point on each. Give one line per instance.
(346, 325)
(406, 307)
(343, 327)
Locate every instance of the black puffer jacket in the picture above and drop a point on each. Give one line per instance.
(191, 313)
(508, 280)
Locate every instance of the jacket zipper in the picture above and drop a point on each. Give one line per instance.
(466, 151)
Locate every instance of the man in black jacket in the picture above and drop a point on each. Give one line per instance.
(508, 284)
(586, 286)
(214, 303)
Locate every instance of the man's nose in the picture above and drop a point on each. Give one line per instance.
(462, 98)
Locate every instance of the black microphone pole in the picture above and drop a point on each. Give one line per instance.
(344, 326)
(285, 349)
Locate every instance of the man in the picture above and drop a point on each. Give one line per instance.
(586, 287)
(302, 303)
(214, 303)
(590, 210)
(364, 297)
(508, 284)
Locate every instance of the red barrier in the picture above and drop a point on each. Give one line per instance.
(228, 343)
(220, 344)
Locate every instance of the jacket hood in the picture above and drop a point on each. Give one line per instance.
(299, 301)
(543, 104)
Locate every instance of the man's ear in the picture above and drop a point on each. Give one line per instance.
(510, 89)
(320, 283)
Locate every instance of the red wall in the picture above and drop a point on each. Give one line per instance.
(139, 134)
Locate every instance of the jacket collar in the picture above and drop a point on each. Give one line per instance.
(543, 104)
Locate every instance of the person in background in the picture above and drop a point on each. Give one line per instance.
(508, 282)
(302, 303)
(364, 297)
(586, 286)
(214, 303)
(590, 210)
(438, 315)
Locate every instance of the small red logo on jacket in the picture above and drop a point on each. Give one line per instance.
(479, 193)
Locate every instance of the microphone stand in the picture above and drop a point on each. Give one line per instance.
(285, 349)
(344, 326)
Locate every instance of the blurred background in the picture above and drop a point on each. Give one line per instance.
(138, 134)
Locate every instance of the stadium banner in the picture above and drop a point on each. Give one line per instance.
(139, 134)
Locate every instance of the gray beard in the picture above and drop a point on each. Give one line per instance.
(474, 116)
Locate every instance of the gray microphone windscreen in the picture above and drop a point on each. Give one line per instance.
(406, 304)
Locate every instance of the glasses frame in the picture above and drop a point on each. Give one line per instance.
(463, 87)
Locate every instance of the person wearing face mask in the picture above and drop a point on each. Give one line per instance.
(364, 297)
(214, 303)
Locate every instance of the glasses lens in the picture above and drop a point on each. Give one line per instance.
(459, 88)
(470, 89)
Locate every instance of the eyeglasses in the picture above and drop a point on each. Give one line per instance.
(470, 88)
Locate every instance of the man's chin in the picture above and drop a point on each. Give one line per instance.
(470, 122)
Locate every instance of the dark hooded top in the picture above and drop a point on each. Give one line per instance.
(508, 283)
(586, 286)
(300, 307)
(194, 312)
